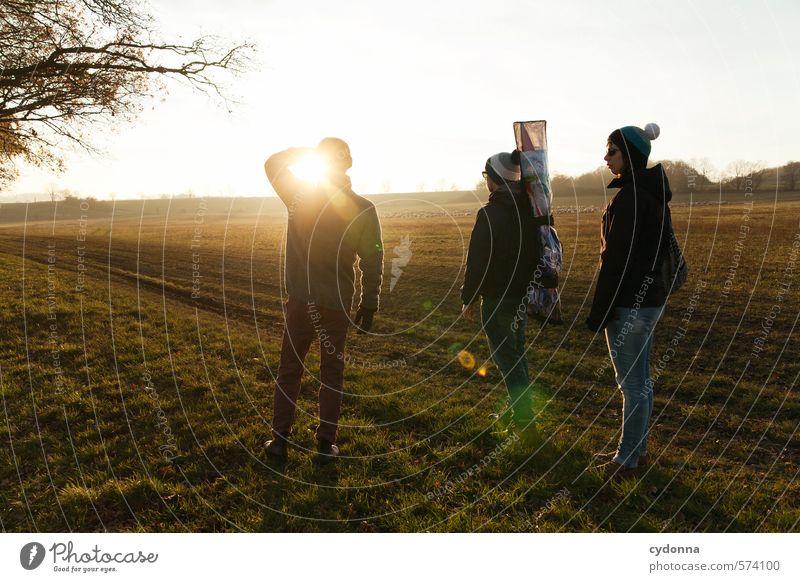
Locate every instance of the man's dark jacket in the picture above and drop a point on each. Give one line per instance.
(329, 226)
(633, 235)
(504, 248)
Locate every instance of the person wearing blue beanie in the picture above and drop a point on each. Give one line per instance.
(634, 143)
(630, 295)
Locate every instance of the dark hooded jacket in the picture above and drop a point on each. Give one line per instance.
(329, 226)
(633, 235)
(503, 248)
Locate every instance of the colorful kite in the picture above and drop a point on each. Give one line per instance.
(543, 298)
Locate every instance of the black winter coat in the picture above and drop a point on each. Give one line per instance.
(329, 227)
(504, 247)
(633, 234)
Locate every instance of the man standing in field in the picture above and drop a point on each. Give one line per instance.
(329, 227)
(503, 253)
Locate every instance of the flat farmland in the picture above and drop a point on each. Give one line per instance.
(138, 353)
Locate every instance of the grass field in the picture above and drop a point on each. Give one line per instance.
(137, 357)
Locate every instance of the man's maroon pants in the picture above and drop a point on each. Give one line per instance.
(304, 323)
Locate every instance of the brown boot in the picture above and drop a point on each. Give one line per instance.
(604, 458)
(277, 449)
(613, 471)
(326, 452)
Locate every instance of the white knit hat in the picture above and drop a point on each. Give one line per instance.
(505, 166)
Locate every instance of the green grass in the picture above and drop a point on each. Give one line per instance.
(97, 447)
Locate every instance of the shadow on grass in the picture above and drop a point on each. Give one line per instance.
(274, 518)
(659, 498)
(302, 499)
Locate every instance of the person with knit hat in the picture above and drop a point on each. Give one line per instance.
(502, 257)
(629, 296)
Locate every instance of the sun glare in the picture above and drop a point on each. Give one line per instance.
(309, 168)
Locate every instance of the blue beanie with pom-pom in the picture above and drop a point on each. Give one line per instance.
(635, 142)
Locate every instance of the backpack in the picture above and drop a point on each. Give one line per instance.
(674, 270)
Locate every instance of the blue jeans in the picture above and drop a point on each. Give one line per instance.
(504, 324)
(630, 340)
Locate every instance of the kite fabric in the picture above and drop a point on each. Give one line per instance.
(543, 299)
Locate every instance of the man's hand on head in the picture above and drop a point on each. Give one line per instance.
(300, 152)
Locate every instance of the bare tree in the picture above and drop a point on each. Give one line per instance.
(734, 174)
(481, 189)
(562, 186)
(52, 192)
(757, 174)
(790, 175)
(67, 63)
(705, 169)
(70, 197)
(739, 172)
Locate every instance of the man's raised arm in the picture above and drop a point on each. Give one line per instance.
(285, 183)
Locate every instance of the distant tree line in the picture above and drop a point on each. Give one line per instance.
(684, 177)
(696, 176)
(69, 197)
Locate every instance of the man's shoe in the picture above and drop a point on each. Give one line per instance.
(613, 470)
(604, 458)
(504, 418)
(277, 449)
(326, 452)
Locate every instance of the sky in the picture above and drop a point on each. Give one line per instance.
(425, 92)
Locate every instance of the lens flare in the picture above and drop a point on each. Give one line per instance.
(310, 168)
(466, 359)
(455, 347)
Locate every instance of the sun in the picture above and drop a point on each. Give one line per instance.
(310, 168)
